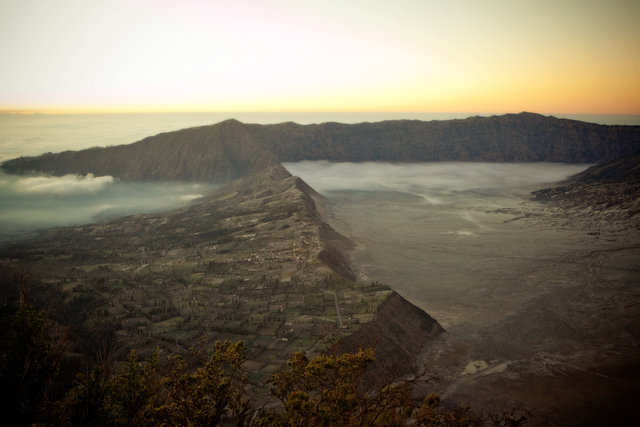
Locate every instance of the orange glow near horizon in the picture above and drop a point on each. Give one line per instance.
(117, 56)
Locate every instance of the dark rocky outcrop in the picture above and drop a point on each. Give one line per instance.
(610, 186)
(621, 169)
(398, 334)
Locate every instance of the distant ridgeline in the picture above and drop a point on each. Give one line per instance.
(230, 149)
(523, 137)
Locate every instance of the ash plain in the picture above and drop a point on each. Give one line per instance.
(541, 303)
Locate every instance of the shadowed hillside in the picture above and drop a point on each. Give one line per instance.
(216, 153)
(612, 186)
(625, 168)
(524, 137)
(399, 332)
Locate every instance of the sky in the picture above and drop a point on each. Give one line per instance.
(490, 56)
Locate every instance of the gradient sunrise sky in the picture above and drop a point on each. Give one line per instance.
(547, 56)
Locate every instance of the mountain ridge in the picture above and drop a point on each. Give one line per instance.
(511, 137)
(230, 149)
(214, 153)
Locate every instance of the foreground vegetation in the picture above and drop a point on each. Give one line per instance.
(210, 387)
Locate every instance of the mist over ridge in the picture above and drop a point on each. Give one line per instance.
(32, 202)
(219, 153)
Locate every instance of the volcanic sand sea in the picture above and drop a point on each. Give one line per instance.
(541, 305)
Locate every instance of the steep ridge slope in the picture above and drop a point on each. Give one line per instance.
(246, 262)
(399, 333)
(216, 153)
(625, 168)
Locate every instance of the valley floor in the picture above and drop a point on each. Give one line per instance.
(541, 303)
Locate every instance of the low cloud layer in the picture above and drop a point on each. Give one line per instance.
(64, 185)
(34, 202)
(431, 181)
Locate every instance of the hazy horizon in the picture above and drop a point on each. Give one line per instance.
(35, 134)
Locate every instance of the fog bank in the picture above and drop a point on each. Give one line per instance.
(432, 181)
(64, 186)
(34, 202)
